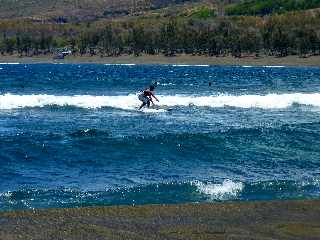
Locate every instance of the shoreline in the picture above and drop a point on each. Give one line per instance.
(292, 219)
(312, 61)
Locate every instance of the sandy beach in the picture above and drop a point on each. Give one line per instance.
(160, 59)
(231, 220)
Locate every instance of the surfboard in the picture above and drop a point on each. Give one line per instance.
(156, 108)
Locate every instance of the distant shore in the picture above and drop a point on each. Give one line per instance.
(181, 59)
(231, 220)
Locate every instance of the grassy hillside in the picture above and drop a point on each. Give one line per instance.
(61, 11)
(78, 10)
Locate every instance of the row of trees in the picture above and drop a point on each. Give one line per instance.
(278, 35)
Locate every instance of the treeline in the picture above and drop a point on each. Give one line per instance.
(265, 7)
(278, 35)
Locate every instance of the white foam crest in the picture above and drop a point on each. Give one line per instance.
(152, 110)
(6, 194)
(181, 65)
(9, 63)
(167, 84)
(269, 101)
(202, 65)
(9, 101)
(131, 102)
(225, 190)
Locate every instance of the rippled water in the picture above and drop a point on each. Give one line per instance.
(71, 135)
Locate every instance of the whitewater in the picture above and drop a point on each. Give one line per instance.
(131, 102)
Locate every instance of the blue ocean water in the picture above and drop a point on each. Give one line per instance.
(71, 135)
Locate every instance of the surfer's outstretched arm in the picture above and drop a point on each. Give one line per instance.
(153, 97)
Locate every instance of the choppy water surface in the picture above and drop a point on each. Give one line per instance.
(71, 135)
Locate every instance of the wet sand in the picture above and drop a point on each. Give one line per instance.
(181, 59)
(233, 220)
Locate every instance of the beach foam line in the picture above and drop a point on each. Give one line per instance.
(10, 63)
(189, 65)
(119, 64)
(274, 66)
(266, 66)
(131, 102)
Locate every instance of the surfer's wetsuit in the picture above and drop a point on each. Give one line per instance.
(146, 97)
(143, 97)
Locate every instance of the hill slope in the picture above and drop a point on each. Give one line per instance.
(66, 10)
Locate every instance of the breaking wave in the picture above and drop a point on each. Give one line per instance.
(131, 102)
(220, 191)
(170, 192)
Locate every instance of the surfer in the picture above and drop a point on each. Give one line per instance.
(146, 97)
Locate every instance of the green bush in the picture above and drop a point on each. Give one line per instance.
(204, 13)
